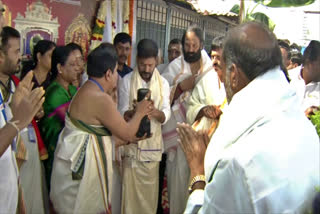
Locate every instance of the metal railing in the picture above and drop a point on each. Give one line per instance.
(162, 21)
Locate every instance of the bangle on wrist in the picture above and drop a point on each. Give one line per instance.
(196, 179)
(14, 124)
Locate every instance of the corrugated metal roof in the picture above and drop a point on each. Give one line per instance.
(214, 7)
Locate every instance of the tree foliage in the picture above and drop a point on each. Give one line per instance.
(285, 3)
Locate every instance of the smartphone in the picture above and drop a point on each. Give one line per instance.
(145, 122)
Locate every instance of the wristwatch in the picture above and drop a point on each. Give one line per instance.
(196, 179)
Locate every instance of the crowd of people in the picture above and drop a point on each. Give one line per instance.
(221, 132)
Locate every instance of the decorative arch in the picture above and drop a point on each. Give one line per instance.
(37, 22)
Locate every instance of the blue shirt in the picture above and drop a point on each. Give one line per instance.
(126, 70)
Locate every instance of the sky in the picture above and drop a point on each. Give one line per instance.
(294, 24)
(291, 23)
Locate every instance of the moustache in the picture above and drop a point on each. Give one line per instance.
(191, 57)
(145, 73)
(122, 57)
(216, 65)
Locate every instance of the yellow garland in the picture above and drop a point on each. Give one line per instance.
(100, 23)
(102, 13)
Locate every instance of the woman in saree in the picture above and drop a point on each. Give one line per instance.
(58, 95)
(40, 64)
(82, 176)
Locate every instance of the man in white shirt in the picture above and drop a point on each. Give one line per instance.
(306, 78)
(264, 156)
(208, 95)
(174, 51)
(141, 160)
(24, 99)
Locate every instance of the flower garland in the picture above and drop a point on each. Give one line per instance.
(97, 33)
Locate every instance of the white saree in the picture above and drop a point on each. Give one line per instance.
(264, 156)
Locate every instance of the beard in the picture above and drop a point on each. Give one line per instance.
(192, 57)
(227, 86)
(11, 67)
(146, 76)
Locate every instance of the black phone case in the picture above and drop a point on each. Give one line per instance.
(145, 122)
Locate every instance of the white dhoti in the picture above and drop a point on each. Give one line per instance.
(81, 179)
(140, 187)
(178, 180)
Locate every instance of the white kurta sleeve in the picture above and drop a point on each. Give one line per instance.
(206, 92)
(123, 93)
(227, 192)
(166, 109)
(195, 201)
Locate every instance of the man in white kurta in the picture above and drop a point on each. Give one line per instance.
(305, 79)
(26, 149)
(9, 171)
(183, 74)
(141, 160)
(208, 96)
(264, 156)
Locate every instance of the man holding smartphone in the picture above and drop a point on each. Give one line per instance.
(141, 160)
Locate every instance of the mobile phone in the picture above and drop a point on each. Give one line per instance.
(145, 122)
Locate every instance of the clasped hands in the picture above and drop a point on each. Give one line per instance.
(194, 145)
(26, 102)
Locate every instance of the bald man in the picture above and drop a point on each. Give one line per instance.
(264, 156)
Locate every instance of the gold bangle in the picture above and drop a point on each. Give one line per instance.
(196, 179)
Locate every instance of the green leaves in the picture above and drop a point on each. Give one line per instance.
(315, 119)
(250, 16)
(263, 18)
(285, 3)
(235, 9)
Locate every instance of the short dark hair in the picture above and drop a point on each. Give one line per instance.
(175, 42)
(60, 56)
(6, 34)
(147, 48)
(122, 37)
(101, 59)
(296, 57)
(312, 52)
(295, 47)
(197, 30)
(217, 43)
(74, 47)
(252, 57)
(284, 44)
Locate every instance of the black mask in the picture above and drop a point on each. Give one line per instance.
(191, 57)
